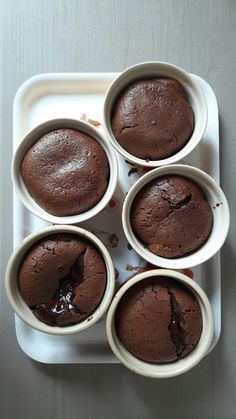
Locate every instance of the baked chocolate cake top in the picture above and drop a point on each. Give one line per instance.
(62, 278)
(171, 216)
(152, 119)
(159, 320)
(66, 172)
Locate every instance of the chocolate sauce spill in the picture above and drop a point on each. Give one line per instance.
(60, 310)
(177, 331)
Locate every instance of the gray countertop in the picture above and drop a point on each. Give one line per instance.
(38, 36)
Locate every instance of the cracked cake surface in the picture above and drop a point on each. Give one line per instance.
(62, 278)
(171, 216)
(159, 320)
(152, 119)
(66, 172)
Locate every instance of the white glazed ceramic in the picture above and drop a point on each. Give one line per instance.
(30, 138)
(216, 200)
(18, 304)
(168, 369)
(158, 69)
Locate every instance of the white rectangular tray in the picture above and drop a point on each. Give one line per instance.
(81, 96)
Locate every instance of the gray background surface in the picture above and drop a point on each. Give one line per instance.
(39, 36)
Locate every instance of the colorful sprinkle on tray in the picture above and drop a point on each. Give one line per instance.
(188, 272)
(89, 120)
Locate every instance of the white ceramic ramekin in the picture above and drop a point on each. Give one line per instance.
(20, 307)
(216, 200)
(168, 369)
(150, 69)
(30, 138)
